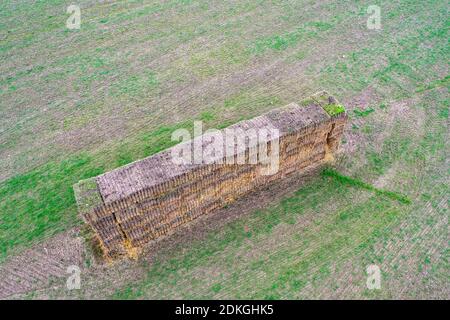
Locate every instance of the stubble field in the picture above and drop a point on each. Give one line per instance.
(77, 103)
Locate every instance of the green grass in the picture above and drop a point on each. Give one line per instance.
(41, 201)
(282, 42)
(328, 172)
(363, 113)
(246, 100)
(396, 147)
(334, 109)
(135, 84)
(435, 84)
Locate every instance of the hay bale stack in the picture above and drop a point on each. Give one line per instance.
(140, 202)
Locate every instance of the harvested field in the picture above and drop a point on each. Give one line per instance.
(75, 104)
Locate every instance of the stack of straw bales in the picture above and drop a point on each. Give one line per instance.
(147, 199)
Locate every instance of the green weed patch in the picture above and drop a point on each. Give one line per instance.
(363, 113)
(334, 109)
(328, 172)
